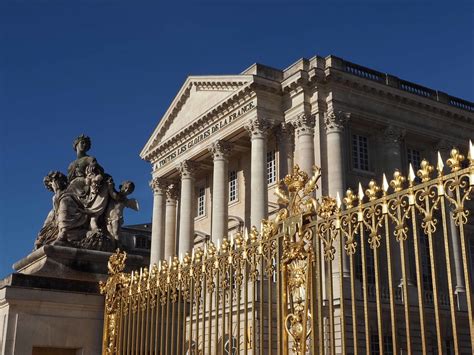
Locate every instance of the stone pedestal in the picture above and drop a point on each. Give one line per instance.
(52, 304)
(71, 263)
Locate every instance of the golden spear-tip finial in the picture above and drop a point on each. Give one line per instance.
(361, 193)
(384, 184)
(411, 174)
(440, 164)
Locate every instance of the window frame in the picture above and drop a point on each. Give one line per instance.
(407, 155)
(369, 170)
(275, 167)
(204, 213)
(231, 202)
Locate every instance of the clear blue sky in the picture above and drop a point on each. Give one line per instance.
(109, 69)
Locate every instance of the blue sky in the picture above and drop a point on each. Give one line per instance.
(109, 69)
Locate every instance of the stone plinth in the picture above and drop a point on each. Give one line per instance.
(52, 304)
(71, 263)
(60, 315)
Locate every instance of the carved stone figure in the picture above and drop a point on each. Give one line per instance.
(119, 200)
(56, 182)
(87, 211)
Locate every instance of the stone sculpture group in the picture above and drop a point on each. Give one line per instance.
(87, 209)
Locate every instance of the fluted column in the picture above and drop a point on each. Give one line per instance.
(158, 220)
(392, 157)
(304, 142)
(258, 129)
(220, 190)
(334, 122)
(170, 220)
(186, 214)
(284, 135)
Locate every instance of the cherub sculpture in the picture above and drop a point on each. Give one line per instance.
(119, 200)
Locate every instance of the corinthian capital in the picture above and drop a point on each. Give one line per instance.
(393, 134)
(187, 169)
(303, 123)
(158, 185)
(172, 192)
(257, 127)
(335, 120)
(220, 149)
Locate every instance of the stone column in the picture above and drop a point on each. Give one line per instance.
(186, 202)
(258, 129)
(158, 220)
(392, 158)
(170, 223)
(220, 190)
(334, 122)
(284, 135)
(304, 142)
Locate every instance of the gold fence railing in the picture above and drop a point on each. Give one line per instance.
(390, 275)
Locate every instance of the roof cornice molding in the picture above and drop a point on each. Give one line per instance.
(392, 93)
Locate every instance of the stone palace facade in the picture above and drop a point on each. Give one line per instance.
(225, 141)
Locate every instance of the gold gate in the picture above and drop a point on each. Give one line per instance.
(391, 275)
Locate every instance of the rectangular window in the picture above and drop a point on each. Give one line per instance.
(414, 158)
(387, 344)
(271, 167)
(142, 242)
(233, 186)
(369, 264)
(374, 344)
(360, 152)
(425, 260)
(201, 206)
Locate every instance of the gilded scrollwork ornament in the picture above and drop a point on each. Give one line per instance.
(112, 289)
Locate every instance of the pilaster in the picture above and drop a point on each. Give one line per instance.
(284, 134)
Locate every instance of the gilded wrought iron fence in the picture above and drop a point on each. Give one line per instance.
(390, 275)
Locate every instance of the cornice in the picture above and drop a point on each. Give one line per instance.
(395, 94)
(358, 113)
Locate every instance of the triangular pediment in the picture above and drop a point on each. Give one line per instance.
(198, 96)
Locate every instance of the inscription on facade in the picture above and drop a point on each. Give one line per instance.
(206, 133)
